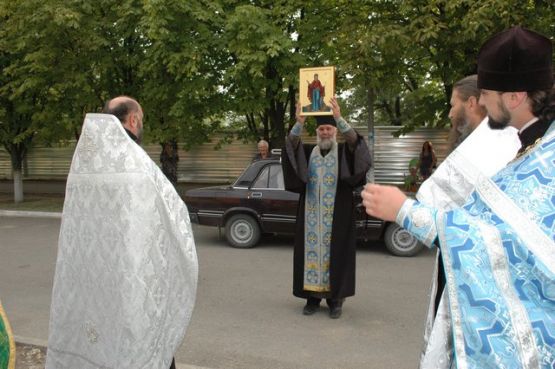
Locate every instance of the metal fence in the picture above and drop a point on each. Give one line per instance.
(392, 155)
(204, 164)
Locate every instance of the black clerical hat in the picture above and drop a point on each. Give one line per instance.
(514, 60)
(325, 119)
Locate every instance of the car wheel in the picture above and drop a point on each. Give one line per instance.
(401, 242)
(242, 231)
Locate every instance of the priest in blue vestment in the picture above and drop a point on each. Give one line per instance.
(498, 249)
(325, 176)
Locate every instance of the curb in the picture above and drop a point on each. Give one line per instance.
(187, 366)
(30, 341)
(30, 214)
(42, 343)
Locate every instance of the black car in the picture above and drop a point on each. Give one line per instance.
(257, 203)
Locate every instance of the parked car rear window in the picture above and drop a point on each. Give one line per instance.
(276, 178)
(270, 177)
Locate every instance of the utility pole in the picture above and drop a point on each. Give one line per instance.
(370, 97)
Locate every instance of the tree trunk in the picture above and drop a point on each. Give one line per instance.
(17, 185)
(398, 120)
(169, 158)
(278, 125)
(276, 109)
(17, 155)
(292, 107)
(266, 123)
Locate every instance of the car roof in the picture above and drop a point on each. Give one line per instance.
(250, 173)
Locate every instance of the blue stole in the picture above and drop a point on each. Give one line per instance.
(319, 205)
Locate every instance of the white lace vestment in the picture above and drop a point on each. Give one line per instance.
(126, 273)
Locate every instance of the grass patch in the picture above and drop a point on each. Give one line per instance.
(33, 202)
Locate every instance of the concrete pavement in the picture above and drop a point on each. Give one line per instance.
(245, 316)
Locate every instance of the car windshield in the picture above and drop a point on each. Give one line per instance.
(251, 173)
(245, 179)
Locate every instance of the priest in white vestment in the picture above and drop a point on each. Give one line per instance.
(126, 273)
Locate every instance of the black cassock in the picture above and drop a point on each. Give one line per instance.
(352, 174)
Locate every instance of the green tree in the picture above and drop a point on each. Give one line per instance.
(404, 56)
(182, 95)
(262, 77)
(447, 36)
(22, 91)
(61, 60)
(197, 66)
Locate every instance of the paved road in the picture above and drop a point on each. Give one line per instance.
(245, 316)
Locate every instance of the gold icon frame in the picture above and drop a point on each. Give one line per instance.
(321, 82)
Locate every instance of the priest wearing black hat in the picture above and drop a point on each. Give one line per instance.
(515, 75)
(325, 175)
(498, 249)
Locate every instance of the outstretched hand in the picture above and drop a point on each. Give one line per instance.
(298, 114)
(382, 202)
(335, 107)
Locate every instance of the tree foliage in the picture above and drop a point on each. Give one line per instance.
(198, 66)
(263, 59)
(182, 68)
(445, 37)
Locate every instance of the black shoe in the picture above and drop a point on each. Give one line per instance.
(335, 312)
(312, 305)
(310, 309)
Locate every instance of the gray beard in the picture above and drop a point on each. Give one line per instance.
(465, 131)
(462, 126)
(325, 144)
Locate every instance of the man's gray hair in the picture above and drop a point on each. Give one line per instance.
(467, 87)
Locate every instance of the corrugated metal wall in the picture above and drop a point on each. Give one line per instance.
(5, 164)
(203, 164)
(392, 155)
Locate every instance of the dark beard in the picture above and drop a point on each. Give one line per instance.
(140, 136)
(502, 122)
(497, 124)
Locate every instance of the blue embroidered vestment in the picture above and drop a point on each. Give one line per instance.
(499, 257)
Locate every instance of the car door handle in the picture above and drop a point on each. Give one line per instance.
(256, 195)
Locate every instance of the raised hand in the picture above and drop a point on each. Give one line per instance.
(298, 114)
(335, 107)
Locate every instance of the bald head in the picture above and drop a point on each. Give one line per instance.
(128, 111)
(121, 106)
